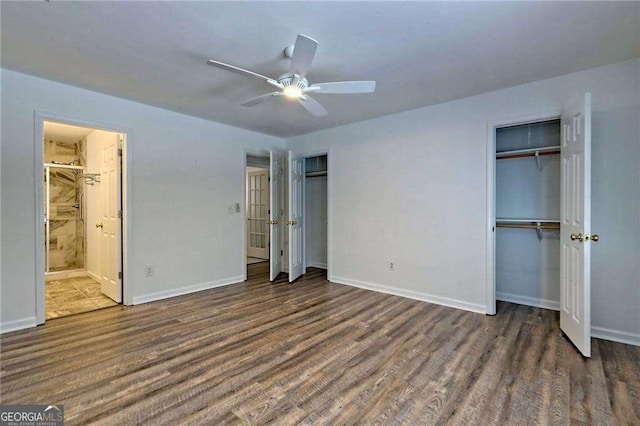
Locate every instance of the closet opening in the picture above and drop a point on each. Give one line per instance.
(315, 211)
(82, 207)
(526, 220)
(257, 196)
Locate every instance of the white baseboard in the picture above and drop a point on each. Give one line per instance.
(20, 324)
(137, 300)
(94, 276)
(529, 301)
(316, 265)
(615, 335)
(410, 294)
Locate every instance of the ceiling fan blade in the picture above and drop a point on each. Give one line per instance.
(303, 52)
(312, 106)
(343, 87)
(259, 99)
(237, 70)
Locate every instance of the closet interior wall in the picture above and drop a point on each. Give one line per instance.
(315, 196)
(527, 191)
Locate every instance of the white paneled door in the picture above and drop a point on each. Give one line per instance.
(575, 234)
(296, 240)
(257, 214)
(110, 217)
(276, 173)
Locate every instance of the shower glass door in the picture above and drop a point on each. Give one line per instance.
(64, 218)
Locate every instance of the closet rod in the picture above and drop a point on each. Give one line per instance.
(527, 154)
(315, 174)
(527, 226)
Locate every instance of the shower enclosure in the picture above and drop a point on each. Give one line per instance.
(64, 217)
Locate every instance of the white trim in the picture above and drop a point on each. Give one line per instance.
(93, 276)
(492, 125)
(39, 118)
(317, 265)
(528, 301)
(424, 297)
(151, 297)
(615, 335)
(21, 324)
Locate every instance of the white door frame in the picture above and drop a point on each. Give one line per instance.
(243, 204)
(306, 155)
(39, 118)
(490, 294)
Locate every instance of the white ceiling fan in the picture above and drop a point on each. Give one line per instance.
(294, 85)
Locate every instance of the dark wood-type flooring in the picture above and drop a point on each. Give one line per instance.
(316, 353)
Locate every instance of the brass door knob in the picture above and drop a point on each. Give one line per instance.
(578, 237)
(594, 237)
(99, 225)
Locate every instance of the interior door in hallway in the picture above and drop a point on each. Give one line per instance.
(110, 217)
(296, 237)
(257, 216)
(276, 172)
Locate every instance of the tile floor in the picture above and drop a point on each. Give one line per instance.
(71, 296)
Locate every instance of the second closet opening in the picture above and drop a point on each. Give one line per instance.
(527, 210)
(315, 209)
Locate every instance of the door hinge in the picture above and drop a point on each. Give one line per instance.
(119, 152)
(281, 253)
(269, 179)
(119, 214)
(120, 275)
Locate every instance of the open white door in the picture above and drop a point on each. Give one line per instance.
(257, 218)
(296, 240)
(276, 173)
(575, 237)
(110, 212)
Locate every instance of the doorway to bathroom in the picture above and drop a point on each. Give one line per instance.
(82, 205)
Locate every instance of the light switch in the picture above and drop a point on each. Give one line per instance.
(237, 207)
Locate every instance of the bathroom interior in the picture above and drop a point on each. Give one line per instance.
(72, 197)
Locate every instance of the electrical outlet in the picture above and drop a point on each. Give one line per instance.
(148, 271)
(392, 266)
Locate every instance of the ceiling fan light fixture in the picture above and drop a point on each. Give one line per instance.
(293, 92)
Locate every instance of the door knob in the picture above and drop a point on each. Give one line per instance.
(99, 225)
(593, 237)
(578, 237)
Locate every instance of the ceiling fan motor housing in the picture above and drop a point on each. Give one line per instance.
(287, 80)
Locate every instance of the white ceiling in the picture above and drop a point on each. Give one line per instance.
(420, 53)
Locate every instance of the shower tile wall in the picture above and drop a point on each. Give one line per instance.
(64, 152)
(66, 233)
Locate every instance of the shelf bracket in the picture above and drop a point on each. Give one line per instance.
(538, 229)
(538, 163)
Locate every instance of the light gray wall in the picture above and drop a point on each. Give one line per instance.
(412, 187)
(185, 174)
